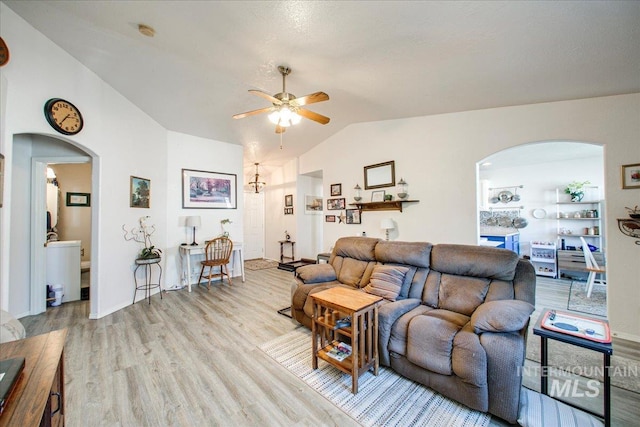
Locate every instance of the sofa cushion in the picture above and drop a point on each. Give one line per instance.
(474, 261)
(410, 253)
(461, 294)
(386, 281)
(352, 271)
(501, 316)
(430, 341)
(316, 273)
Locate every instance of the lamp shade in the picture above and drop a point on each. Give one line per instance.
(193, 221)
(387, 224)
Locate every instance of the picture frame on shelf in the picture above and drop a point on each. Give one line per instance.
(330, 218)
(378, 196)
(336, 190)
(140, 192)
(288, 211)
(79, 199)
(336, 204)
(288, 200)
(312, 205)
(208, 190)
(630, 176)
(353, 216)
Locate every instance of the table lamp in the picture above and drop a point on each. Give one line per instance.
(387, 224)
(193, 221)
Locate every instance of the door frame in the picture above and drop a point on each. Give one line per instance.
(38, 265)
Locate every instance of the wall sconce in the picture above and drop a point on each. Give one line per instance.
(402, 188)
(387, 224)
(358, 195)
(193, 221)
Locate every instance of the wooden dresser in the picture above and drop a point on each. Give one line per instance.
(38, 399)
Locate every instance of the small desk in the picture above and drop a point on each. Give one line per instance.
(605, 349)
(293, 250)
(187, 251)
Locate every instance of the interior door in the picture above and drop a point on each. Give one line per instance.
(253, 225)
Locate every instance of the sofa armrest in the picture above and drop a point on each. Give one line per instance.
(501, 316)
(387, 315)
(316, 273)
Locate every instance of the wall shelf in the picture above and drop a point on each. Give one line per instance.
(393, 205)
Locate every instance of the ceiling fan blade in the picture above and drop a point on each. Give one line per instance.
(280, 129)
(323, 120)
(266, 96)
(310, 99)
(251, 113)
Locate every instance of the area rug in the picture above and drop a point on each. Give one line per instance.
(260, 264)
(579, 302)
(410, 404)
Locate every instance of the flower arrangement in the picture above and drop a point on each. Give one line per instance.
(576, 190)
(224, 222)
(142, 234)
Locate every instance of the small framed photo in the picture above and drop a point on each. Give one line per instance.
(79, 199)
(377, 196)
(288, 200)
(335, 204)
(631, 176)
(208, 190)
(288, 211)
(140, 195)
(312, 205)
(336, 190)
(353, 216)
(330, 218)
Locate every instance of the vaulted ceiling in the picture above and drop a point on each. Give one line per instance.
(377, 60)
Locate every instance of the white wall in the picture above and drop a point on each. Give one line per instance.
(309, 245)
(437, 156)
(279, 183)
(190, 152)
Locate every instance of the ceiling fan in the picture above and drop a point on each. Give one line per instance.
(287, 109)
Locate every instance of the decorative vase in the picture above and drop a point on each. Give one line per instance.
(577, 197)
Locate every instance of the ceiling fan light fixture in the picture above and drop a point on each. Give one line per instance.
(285, 116)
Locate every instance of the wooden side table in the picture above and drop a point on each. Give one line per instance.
(333, 304)
(605, 348)
(293, 250)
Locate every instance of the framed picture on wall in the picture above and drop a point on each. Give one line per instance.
(140, 194)
(79, 199)
(288, 200)
(313, 205)
(288, 211)
(335, 204)
(377, 196)
(631, 176)
(208, 190)
(353, 216)
(330, 218)
(336, 190)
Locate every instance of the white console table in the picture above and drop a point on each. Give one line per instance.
(187, 251)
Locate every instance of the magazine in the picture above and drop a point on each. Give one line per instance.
(340, 351)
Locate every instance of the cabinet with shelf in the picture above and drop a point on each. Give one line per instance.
(579, 219)
(543, 257)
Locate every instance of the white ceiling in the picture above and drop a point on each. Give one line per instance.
(377, 60)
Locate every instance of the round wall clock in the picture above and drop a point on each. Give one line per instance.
(4, 52)
(63, 116)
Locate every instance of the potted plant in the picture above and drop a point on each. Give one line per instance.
(576, 190)
(142, 234)
(634, 213)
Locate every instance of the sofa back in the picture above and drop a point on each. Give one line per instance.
(353, 259)
(415, 256)
(463, 276)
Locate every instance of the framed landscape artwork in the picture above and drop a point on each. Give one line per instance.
(313, 205)
(208, 190)
(79, 199)
(140, 194)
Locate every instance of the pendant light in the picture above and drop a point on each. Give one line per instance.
(256, 183)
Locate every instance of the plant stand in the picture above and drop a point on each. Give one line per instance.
(147, 286)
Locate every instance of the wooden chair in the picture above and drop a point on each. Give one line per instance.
(593, 268)
(217, 254)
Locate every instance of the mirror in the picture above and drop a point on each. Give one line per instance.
(380, 175)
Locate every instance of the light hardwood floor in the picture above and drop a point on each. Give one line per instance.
(191, 359)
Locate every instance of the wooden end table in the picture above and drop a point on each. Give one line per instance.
(336, 303)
